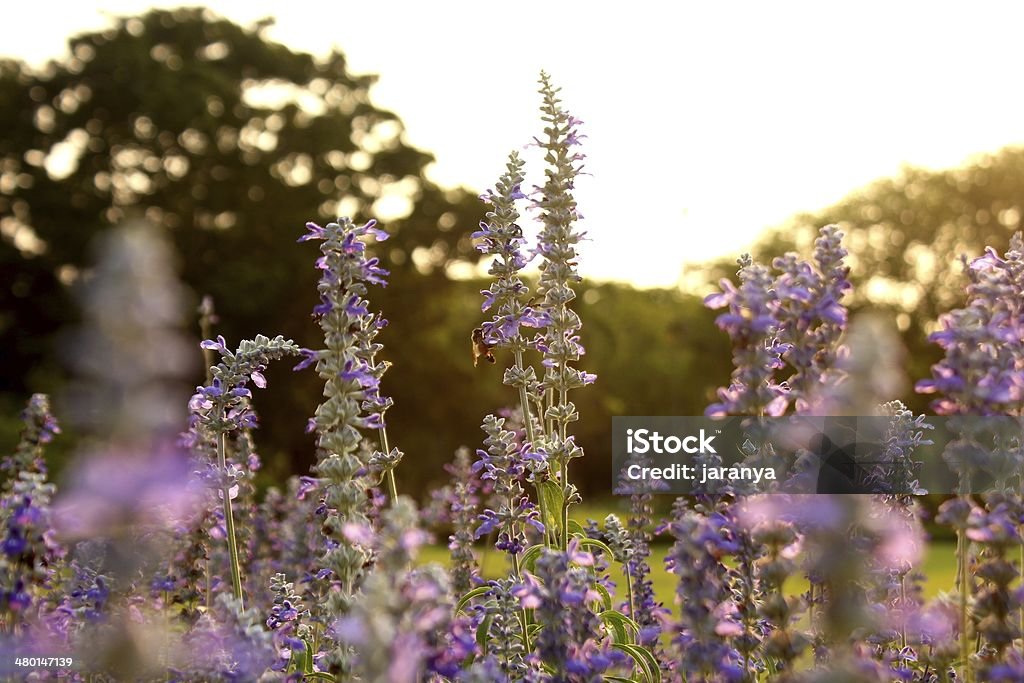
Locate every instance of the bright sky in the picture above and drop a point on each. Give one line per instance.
(707, 122)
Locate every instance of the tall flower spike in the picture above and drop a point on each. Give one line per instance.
(757, 351)
(981, 371)
(352, 403)
(399, 624)
(557, 247)
(223, 408)
(502, 237)
(40, 428)
(463, 505)
(811, 315)
(29, 555)
(704, 629)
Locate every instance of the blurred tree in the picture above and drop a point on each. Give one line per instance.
(906, 234)
(228, 141)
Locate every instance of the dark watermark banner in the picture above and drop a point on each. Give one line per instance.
(898, 454)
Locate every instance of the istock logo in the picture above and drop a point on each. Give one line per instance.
(640, 441)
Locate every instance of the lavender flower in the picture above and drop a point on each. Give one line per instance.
(810, 314)
(905, 434)
(505, 462)
(502, 238)
(757, 350)
(796, 317)
(645, 609)
(400, 624)
(40, 426)
(29, 553)
(228, 645)
(353, 402)
(997, 529)
(464, 502)
(223, 407)
(706, 621)
(129, 355)
(557, 246)
(980, 373)
(872, 370)
(287, 622)
(569, 641)
(505, 640)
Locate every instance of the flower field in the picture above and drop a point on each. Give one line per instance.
(158, 559)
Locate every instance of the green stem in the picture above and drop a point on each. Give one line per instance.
(549, 394)
(209, 587)
(1020, 571)
(903, 620)
(629, 591)
(390, 475)
(563, 434)
(523, 617)
(810, 606)
(386, 449)
(531, 437)
(961, 584)
(525, 401)
(229, 521)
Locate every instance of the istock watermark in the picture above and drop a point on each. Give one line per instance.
(829, 455)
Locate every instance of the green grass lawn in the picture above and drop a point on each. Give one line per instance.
(939, 565)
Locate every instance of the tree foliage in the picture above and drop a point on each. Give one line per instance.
(906, 234)
(229, 142)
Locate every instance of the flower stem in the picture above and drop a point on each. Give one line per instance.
(1020, 570)
(531, 438)
(523, 617)
(1020, 566)
(525, 401)
(629, 592)
(390, 475)
(229, 521)
(903, 617)
(563, 434)
(961, 583)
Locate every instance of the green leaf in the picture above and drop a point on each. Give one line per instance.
(644, 659)
(530, 555)
(475, 593)
(606, 597)
(621, 625)
(576, 529)
(483, 633)
(587, 542)
(619, 679)
(307, 664)
(553, 501)
(302, 660)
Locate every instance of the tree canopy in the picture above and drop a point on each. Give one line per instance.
(227, 140)
(906, 233)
